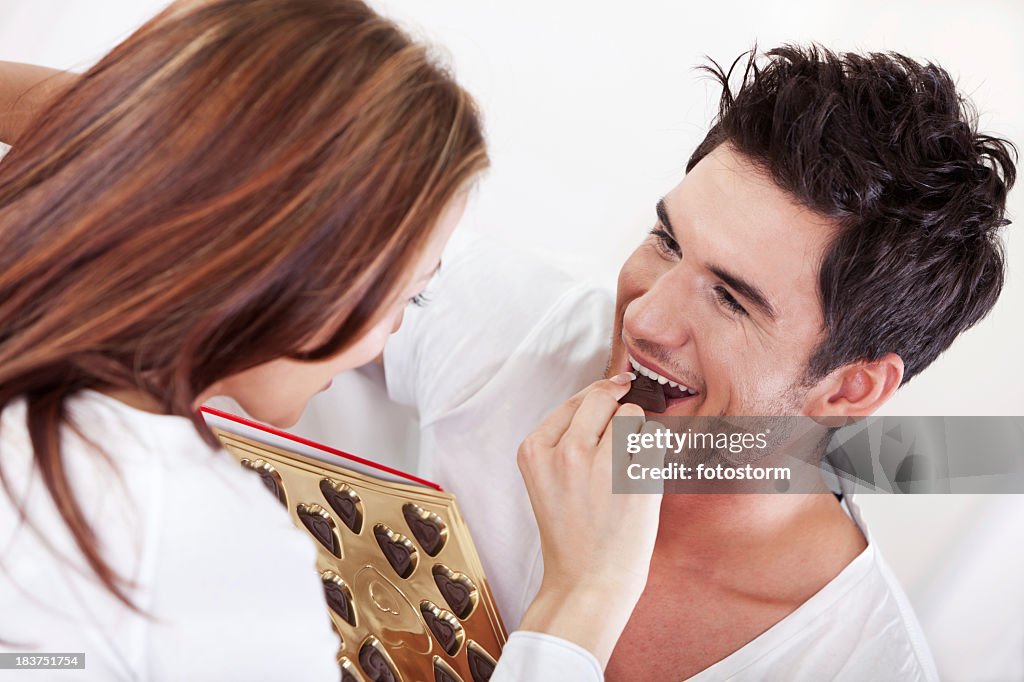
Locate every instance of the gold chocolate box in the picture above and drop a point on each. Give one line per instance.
(402, 580)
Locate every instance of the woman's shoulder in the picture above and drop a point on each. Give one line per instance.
(199, 537)
(116, 462)
(102, 424)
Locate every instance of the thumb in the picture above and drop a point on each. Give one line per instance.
(652, 458)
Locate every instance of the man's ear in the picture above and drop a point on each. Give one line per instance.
(857, 389)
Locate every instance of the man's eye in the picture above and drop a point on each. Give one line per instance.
(666, 243)
(729, 301)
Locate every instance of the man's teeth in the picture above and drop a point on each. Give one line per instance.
(640, 369)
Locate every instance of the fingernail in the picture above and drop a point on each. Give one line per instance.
(623, 379)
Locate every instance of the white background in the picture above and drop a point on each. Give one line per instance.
(592, 110)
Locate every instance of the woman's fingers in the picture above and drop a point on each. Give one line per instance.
(633, 425)
(591, 420)
(554, 426)
(627, 420)
(653, 457)
(647, 458)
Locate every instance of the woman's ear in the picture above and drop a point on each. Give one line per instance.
(856, 390)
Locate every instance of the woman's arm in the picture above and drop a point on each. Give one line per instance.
(25, 89)
(567, 467)
(597, 546)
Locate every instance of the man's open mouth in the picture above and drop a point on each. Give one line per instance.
(672, 390)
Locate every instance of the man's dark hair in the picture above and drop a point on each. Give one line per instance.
(885, 148)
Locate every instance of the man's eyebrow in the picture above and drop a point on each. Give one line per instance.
(663, 217)
(745, 289)
(740, 285)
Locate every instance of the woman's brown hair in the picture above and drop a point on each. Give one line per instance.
(226, 182)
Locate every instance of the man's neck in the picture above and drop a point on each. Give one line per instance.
(704, 532)
(726, 568)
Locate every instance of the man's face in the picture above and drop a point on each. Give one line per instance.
(722, 296)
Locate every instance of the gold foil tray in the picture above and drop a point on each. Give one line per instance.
(402, 580)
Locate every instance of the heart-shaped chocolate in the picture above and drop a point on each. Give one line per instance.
(647, 393)
(345, 503)
(347, 673)
(458, 590)
(427, 527)
(339, 597)
(443, 672)
(320, 524)
(375, 663)
(397, 549)
(444, 626)
(271, 479)
(481, 665)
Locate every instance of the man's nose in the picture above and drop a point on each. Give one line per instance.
(663, 314)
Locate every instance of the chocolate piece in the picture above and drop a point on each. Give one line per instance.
(374, 664)
(647, 393)
(427, 528)
(271, 479)
(271, 484)
(348, 671)
(345, 504)
(481, 666)
(319, 524)
(456, 592)
(442, 673)
(338, 599)
(444, 629)
(398, 554)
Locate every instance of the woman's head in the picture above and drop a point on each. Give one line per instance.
(241, 182)
(225, 185)
(278, 391)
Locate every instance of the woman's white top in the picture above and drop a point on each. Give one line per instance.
(227, 585)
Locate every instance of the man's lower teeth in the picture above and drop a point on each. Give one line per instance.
(673, 393)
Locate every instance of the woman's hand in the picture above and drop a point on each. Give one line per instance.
(597, 545)
(25, 90)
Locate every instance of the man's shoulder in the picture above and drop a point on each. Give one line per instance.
(885, 625)
(510, 282)
(860, 626)
(494, 308)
